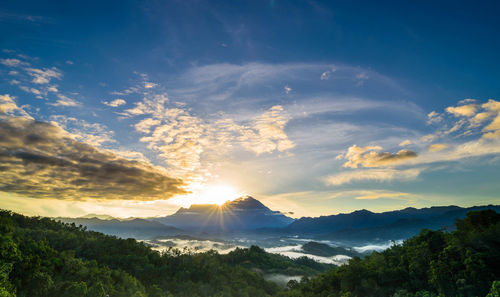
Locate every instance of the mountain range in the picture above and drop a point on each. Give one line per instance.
(135, 228)
(364, 226)
(247, 216)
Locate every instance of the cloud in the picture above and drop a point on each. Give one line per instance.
(126, 92)
(267, 134)
(463, 110)
(65, 101)
(226, 81)
(438, 147)
(492, 109)
(473, 119)
(91, 133)
(362, 75)
(405, 142)
(181, 139)
(175, 134)
(470, 119)
(434, 117)
(31, 90)
(44, 76)
(381, 175)
(373, 195)
(53, 89)
(145, 125)
(114, 103)
(368, 157)
(149, 85)
(41, 160)
(155, 105)
(9, 107)
(463, 120)
(12, 62)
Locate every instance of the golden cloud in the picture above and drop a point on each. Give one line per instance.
(463, 110)
(267, 134)
(369, 157)
(373, 195)
(184, 140)
(41, 160)
(438, 147)
(381, 175)
(405, 142)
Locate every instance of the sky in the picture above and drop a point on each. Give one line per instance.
(135, 108)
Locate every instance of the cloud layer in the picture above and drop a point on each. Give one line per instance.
(470, 129)
(41, 160)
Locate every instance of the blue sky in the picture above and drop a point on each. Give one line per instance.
(312, 107)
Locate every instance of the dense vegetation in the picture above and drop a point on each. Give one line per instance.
(41, 257)
(325, 250)
(465, 262)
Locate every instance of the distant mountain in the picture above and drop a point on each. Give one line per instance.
(98, 216)
(134, 228)
(366, 226)
(244, 213)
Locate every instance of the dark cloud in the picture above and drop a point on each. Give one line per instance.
(41, 160)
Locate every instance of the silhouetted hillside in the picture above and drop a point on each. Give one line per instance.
(365, 226)
(461, 263)
(134, 228)
(244, 213)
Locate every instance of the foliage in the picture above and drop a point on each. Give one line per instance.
(40, 257)
(325, 250)
(257, 259)
(463, 263)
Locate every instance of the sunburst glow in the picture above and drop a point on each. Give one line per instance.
(208, 194)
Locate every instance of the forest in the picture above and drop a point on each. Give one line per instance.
(41, 257)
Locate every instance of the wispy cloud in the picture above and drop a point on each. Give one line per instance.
(44, 76)
(373, 195)
(91, 133)
(64, 100)
(380, 175)
(438, 147)
(464, 121)
(12, 62)
(114, 103)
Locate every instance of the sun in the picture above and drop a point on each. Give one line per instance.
(207, 194)
(216, 194)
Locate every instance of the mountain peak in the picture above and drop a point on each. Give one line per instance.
(245, 203)
(362, 212)
(97, 216)
(194, 208)
(242, 213)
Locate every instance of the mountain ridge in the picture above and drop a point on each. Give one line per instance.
(244, 213)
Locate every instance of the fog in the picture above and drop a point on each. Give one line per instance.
(295, 251)
(192, 245)
(375, 247)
